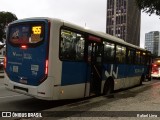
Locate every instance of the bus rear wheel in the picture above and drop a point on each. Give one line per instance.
(142, 79)
(108, 87)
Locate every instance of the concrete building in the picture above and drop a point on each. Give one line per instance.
(152, 42)
(123, 20)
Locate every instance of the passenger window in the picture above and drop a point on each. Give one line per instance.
(72, 45)
(131, 56)
(109, 52)
(138, 57)
(120, 54)
(143, 58)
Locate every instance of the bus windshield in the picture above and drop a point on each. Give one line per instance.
(26, 33)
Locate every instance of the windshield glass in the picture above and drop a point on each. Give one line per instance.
(26, 33)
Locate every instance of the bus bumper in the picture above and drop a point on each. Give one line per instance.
(44, 91)
(155, 75)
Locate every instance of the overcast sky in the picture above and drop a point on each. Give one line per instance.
(80, 12)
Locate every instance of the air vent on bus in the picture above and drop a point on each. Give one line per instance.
(20, 88)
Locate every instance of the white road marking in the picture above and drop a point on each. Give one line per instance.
(2, 87)
(10, 96)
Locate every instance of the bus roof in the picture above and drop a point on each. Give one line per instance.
(102, 35)
(83, 29)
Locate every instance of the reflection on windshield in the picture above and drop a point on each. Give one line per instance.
(24, 34)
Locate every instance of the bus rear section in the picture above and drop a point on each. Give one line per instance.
(156, 68)
(26, 61)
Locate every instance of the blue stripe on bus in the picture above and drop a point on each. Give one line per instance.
(123, 70)
(79, 72)
(73, 73)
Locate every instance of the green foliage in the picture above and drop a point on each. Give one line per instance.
(149, 6)
(5, 18)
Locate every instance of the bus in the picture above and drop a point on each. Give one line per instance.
(156, 68)
(52, 59)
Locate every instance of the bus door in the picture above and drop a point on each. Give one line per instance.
(95, 53)
(149, 66)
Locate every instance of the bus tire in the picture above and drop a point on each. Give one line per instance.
(142, 79)
(149, 78)
(108, 86)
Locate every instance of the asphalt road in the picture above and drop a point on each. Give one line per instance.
(11, 101)
(141, 98)
(142, 102)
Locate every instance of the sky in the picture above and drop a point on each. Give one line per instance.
(85, 13)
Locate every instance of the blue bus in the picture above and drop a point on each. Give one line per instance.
(52, 59)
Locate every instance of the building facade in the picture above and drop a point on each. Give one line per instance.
(123, 20)
(152, 42)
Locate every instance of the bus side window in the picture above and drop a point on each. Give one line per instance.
(131, 56)
(138, 57)
(148, 58)
(143, 58)
(72, 45)
(109, 52)
(120, 54)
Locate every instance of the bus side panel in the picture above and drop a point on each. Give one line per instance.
(73, 73)
(124, 75)
(55, 65)
(74, 76)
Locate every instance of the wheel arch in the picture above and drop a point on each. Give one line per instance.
(108, 85)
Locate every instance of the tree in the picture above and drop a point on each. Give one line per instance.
(5, 18)
(149, 6)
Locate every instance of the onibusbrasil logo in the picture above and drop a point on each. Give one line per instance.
(21, 114)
